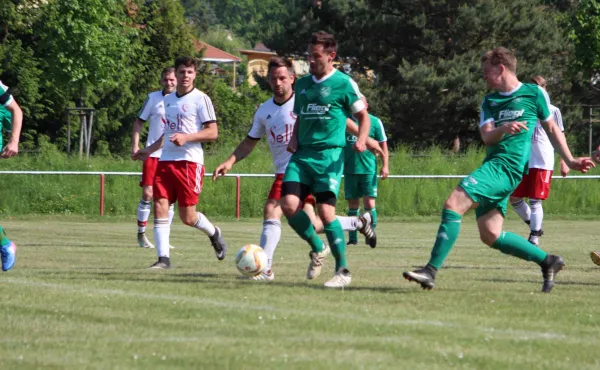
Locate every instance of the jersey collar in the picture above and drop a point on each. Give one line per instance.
(324, 77)
(288, 99)
(509, 93)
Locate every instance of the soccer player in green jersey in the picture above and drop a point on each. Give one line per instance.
(9, 112)
(360, 175)
(507, 123)
(324, 100)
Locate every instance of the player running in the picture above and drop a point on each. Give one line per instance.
(360, 174)
(153, 112)
(275, 119)
(507, 123)
(536, 184)
(10, 112)
(190, 121)
(323, 101)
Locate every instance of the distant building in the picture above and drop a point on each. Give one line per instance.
(258, 61)
(217, 56)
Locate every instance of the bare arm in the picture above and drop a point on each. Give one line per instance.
(492, 135)
(385, 158)
(557, 138)
(135, 136)
(209, 133)
(12, 148)
(371, 144)
(364, 127)
(293, 144)
(241, 151)
(143, 154)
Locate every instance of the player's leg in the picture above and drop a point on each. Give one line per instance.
(270, 236)
(457, 204)
(8, 251)
(518, 203)
(539, 191)
(369, 195)
(353, 211)
(537, 217)
(335, 237)
(490, 230)
(164, 194)
(143, 210)
(189, 187)
(309, 208)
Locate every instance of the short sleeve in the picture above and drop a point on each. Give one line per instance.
(558, 118)
(206, 111)
(146, 109)
(543, 105)
(5, 97)
(485, 114)
(352, 97)
(257, 130)
(380, 131)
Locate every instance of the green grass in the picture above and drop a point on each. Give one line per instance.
(80, 296)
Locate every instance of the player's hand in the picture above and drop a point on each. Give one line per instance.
(375, 148)
(221, 170)
(293, 145)
(582, 164)
(133, 151)
(360, 146)
(178, 139)
(564, 169)
(514, 127)
(141, 155)
(11, 149)
(384, 173)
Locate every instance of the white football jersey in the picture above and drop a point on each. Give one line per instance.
(153, 112)
(276, 121)
(186, 114)
(542, 152)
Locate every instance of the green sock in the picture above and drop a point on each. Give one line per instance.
(337, 243)
(353, 235)
(515, 245)
(301, 224)
(373, 216)
(3, 238)
(446, 237)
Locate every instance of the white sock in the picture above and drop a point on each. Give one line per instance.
(537, 214)
(522, 209)
(204, 225)
(269, 239)
(350, 223)
(143, 213)
(171, 213)
(162, 229)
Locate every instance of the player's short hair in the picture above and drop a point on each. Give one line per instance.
(501, 55)
(278, 62)
(325, 39)
(167, 71)
(186, 61)
(539, 80)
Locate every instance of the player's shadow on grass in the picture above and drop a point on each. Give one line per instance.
(558, 282)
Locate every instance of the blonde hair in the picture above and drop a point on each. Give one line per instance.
(501, 56)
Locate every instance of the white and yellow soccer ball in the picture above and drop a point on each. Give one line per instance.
(251, 260)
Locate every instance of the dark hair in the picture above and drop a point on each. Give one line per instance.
(277, 62)
(186, 61)
(167, 71)
(539, 80)
(502, 56)
(325, 39)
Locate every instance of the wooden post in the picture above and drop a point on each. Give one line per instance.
(234, 76)
(89, 135)
(68, 133)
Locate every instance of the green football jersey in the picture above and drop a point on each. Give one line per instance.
(322, 107)
(356, 163)
(527, 102)
(5, 115)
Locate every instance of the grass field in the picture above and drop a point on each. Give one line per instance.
(81, 297)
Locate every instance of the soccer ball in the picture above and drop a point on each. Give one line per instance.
(251, 260)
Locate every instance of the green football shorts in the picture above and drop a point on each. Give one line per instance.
(360, 185)
(320, 170)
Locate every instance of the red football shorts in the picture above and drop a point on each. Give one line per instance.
(275, 192)
(535, 185)
(149, 171)
(179, 181)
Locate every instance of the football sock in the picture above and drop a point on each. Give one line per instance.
(373, 216)
(350, 223)
(446, 237)
(269, 238)
(522, 209)
(204, 225)
(353, 235)
(171, 213)
(537, 214)
(301, 224)
(162, 230)
(515, 245)
(3, 238)
(143, 213)
(337, 243)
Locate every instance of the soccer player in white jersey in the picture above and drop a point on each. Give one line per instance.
(536, 184)
(190, 120)
(153, 112)
(275, 120)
